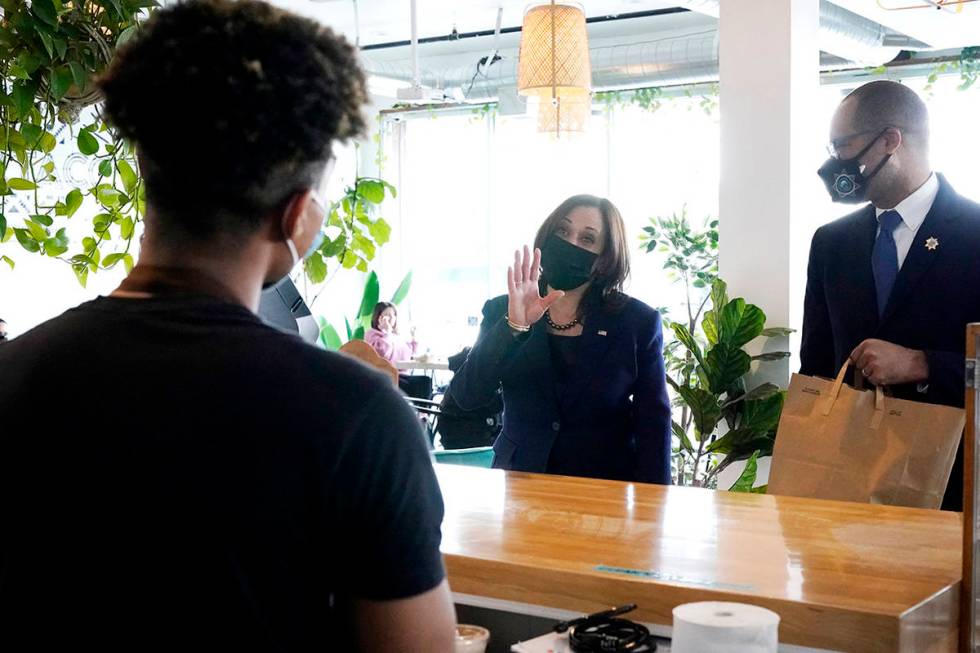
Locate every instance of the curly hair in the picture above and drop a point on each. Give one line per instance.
(233, 106)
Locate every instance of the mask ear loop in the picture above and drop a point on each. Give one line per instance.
(292, 251)
(864, 151)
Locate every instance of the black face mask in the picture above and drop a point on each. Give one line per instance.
(566, 266)
(845, 179)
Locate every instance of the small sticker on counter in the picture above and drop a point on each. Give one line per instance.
(673, 578)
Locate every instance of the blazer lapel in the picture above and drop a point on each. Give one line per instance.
(920, 258)
(863, 304)
(598, 332)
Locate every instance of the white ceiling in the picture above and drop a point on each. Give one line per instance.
(951, 27)
(383, 21)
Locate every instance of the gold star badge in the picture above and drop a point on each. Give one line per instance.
(932, 244)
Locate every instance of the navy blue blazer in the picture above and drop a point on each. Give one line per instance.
(610, 419)
(936, 295)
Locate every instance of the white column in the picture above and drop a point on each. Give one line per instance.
(769, 72)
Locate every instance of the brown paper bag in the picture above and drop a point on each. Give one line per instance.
(837, 442)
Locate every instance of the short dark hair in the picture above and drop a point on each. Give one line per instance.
(233, 107)
(613, 266)
(885, 103)
(380, 308)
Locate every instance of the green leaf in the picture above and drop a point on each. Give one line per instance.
(369, 298)
(61, 80)
(685, 337)
(105, 168)
(724, 365)
(704, 407)
(740, 323)
(350, 333)
(371, 190)
(709, 326)
(37, 232)
(126, 226)
(126, 35)
(740, 443)
(762, 415)
(37, 138)
(60, 48)
(57, 245)
(3, 225)
(81, 273)
(46, 11)
(380, 231)
(16, 183)
(72, 202)
(403, 289)
(128, 263)
(747, 479)
(78, 74)
(775, 332)
(762, 489)
(46, 41)
(26, 240)
(316, 267)
(9, 261)
(359, 333)
(719, 294)
(87, 144)
(681, 436)
(110, 260)
(771, 356)
(41, 218)
(23, 98)
(329, 336)
(128, 175)
(763, 391)
(108, 197)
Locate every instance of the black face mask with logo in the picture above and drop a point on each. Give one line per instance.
(565, 265)
(845, 179)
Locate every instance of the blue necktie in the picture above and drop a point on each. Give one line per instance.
(884, 258)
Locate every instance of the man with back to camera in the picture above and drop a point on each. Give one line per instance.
(892, 286)
(175, 474)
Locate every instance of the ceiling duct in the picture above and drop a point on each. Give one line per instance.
(672, 59)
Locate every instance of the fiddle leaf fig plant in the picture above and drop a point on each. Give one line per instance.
(729, 421)
(717, 420)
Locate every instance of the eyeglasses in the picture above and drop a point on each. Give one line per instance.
(834, 146)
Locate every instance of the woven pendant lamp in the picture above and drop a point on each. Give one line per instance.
(554, 65)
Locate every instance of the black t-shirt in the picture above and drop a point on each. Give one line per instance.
(176, 475)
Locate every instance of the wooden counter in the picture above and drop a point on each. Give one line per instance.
(842, 576)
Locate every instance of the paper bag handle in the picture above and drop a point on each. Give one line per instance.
(828, 405)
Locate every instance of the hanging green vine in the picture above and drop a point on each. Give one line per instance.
(50, 53)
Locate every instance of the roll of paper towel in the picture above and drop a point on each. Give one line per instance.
(716, 627)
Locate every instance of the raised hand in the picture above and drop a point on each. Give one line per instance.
(525, 305)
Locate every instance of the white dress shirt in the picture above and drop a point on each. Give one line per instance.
(913, 210)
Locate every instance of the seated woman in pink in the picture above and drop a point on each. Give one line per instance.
(383, 335)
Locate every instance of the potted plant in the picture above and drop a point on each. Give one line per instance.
(718, 420)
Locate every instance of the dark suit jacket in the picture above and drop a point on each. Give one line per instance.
(611, 419)
(936, 295)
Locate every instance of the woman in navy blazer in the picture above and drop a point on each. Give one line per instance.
(581, 367)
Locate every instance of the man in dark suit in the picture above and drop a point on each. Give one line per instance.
(892, 286)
